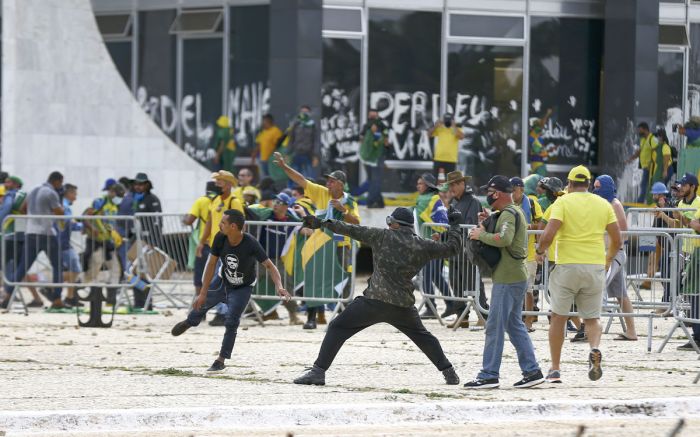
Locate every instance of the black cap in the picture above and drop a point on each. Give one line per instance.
(402, 216)
(142, 178)
(499, 183)
(429, 180)
(338, 174)
(689, 179)
(517, 182)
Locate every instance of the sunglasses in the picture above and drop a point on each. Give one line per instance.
(278, 203)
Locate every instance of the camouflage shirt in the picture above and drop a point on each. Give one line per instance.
(398, 255)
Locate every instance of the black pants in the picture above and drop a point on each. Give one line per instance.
(363, 313)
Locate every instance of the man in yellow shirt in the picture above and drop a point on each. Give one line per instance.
(579, 220)
(200, 213)
(245, 182)
(447, 136)
(266, 143)
(647, 143)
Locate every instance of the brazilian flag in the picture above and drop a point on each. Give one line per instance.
(324, 276)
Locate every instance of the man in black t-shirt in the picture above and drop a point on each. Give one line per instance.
(239, 253)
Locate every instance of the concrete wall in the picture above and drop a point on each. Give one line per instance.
(65, 107)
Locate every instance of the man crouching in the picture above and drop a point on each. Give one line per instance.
(398, 255)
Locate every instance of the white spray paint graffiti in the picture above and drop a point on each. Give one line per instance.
(340, 127)
(246, 106)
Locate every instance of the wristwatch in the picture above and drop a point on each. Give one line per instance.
(537, 251)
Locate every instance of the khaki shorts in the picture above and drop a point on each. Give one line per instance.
(531, 274)
(577, 283)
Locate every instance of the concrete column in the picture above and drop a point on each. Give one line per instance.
(296, 57)
(629, 86)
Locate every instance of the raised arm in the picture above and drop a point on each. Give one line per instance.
(369, 236)
(292, 174)
(445, 249)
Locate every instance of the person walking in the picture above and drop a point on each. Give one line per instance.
(508, 292)
(647, 143)
(374, 139)
(579, 221)
(447, 136)
(398, 256)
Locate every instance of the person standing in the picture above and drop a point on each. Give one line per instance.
(374, 138)
(303, 143)
(579, 221)
(463, 279)
(647, 143)
(200, 213)
(266, 143)
(537, 152)
(616, 277)
(239, 252)
(245, 182)
(508, 292)
(662, 164)
(224, 145)
(398, 255)
(447, 135)
(69, 257)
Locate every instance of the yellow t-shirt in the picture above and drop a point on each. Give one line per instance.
(552, 251)
(238, 193)
(646, 145)
(531, 239)
(267, 139)
(665, 150)
(200, 210)
(217, 208)
(446, 145)
(320, 196)
(583, 217)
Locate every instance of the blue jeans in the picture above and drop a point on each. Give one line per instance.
(265, 168)
(432, 277)
(374, 189)
(236, 300)
(645, 181)
(302, 164)
(505, 315)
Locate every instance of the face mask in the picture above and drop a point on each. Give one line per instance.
(303, 116)
(139, 196)
(490, 199)
(117, 200)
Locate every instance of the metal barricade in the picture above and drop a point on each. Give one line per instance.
(165, 257)
(685, 290)
(83, 254)
(649, 218)
(317, 267)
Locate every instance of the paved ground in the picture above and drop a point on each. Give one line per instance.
(47, 363)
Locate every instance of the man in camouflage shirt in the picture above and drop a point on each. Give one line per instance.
(398, 255)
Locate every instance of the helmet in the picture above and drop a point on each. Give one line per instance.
(553, 184)
(402, 216)
(659, 188)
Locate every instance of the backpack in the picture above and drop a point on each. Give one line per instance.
(487, 257)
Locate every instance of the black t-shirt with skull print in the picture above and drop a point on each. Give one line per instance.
(238, 262)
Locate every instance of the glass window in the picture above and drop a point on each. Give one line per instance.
(156, 69)
(204, 21)
(121, 56)
(486, 26)
(669, 101)
(694, 71)
(404, 85)
(249, 92)
(674, 35)
(201, 95)
(340, 110)
(114, 25)
(565, 69)
(485, 88)
(342, 20)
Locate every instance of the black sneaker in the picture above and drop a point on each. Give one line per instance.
(450, 375)
(218, 366)
(533, 379)
(180, 328)
(570, 326)
(579, 337)
(687, 347)
(218, 320)
(479, 383)
(314, 376)
(311, 324)
(595, 372)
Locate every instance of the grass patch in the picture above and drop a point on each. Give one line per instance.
(403, 391)
(435, 395)
(171, 371)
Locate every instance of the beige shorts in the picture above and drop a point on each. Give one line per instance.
(582, 284)
(531, 274)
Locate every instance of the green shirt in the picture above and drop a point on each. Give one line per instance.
(509, 270)
(228, 157)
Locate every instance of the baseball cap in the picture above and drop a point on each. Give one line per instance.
(17, 180)
(338, 175)
(499, 183)
(579, 174)
(517, 182)
(108, 183)
(284, 198)
(659, 188)
(689, 179)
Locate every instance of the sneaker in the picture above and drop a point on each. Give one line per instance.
(313, 376)
(533, 379)
(553, 376)
(687, 347)
(218, 320)
(36, 304)
(311, 324)
(479, 383)
(579, 337)
(180, 328)
(218, 366)
(450, 375)
(570, 326)
(74, 302)
(594, 370)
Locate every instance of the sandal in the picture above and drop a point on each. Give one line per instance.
(623, 337)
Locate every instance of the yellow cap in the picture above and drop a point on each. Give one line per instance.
(579, 174)
(223, 121)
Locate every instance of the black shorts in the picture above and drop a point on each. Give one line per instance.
(199, 263)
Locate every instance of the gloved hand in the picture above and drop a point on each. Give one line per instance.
(311, 222)
(454, 217)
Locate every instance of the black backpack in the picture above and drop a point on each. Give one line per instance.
(487, 257)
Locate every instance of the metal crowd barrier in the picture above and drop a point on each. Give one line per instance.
(78, 253)
(647, 217)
